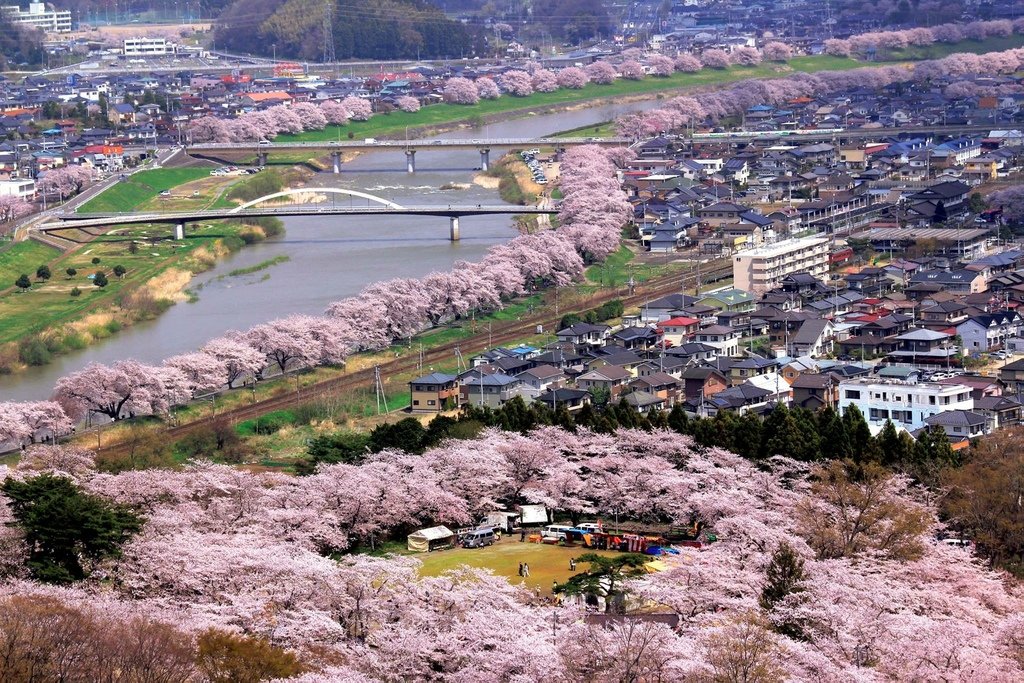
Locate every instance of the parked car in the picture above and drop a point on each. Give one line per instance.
(479, 538)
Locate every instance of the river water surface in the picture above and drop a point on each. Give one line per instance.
(329, 257)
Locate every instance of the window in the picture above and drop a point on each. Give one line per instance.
(931, 400)
(851, 394)
(416, 402)
(431, 402)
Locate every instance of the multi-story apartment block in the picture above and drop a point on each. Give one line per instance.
(907, 403)
(762, 269)
(38, 16)
(146, 47)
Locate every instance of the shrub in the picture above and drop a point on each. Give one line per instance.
(33, 351)
(76, 292)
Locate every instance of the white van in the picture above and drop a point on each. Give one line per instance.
(479, 538)
(556, 531)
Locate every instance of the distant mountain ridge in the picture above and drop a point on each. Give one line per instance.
(387, 29)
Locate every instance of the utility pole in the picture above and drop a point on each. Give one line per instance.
(378, 387)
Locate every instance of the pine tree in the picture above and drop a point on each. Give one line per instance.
(891, 448)
(832, 435)
(784, 576)
(858, 434)
(678, 420)
(781, 434)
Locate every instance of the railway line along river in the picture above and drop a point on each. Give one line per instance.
(325, 258)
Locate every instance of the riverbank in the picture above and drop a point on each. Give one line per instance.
(145, 271)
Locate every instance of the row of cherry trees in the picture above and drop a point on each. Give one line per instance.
(12, 208)
(65, 181)
(731, 101)
(296, 118)
(247, 551)
(944, 33)
(593, 210)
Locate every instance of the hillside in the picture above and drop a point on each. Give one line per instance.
(391, 29)
(18, 45)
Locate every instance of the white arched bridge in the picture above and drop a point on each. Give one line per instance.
(259, 208)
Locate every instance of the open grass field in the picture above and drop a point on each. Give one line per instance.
(939, 50)
(23, 257)
(141, 188)
(441, 114)
(547, 563)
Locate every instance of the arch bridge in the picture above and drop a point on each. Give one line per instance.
(258, 208)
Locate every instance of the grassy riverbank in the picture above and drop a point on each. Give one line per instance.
(68, 311)
(439, 115)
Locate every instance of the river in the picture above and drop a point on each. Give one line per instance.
(329, 258)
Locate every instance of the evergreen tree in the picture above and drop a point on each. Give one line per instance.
(781, 434)
(808, 437)
(23, 283)
(784, 576)
(678, 420)
(746, 436)
(858, 434)
(890, 447)
(66, 530)
(586, 416)
(832, 435)
(940, 213)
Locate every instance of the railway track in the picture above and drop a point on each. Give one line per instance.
(498, 335)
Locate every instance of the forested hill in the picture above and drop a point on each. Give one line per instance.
(17, 44)
(387, 29)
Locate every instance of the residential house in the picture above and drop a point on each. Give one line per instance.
(542, 377)
(988, 331)
(1001, 411)
(814, 338)
(434, 393)
(816, 391)
(572, 399)
(489, 390)
(959, 424)
(702, 382)
(1012, 377)
(610, 380)
(752, 366)
(660, 384)
(645, 402)
(923, 347)
(678, 330)
(584, 334)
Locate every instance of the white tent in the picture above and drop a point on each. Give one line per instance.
(433, 538)
(533, 514)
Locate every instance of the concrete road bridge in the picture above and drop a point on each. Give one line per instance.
(261, 207)
(265, 150)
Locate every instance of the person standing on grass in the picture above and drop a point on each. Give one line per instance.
(520, 569)
(526, 570)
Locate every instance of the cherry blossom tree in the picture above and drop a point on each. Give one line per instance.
(284, 119)
(544, 80)
(631, 70)
(126, 386)
(208, 129)
(777, 52)
(838, 47)
(601, 72)
(65, 181)
(12, 208)
(1011, 201)
(687, 63)
(204, 371)
(487, 89)
(408, 104)
(746, 56)
(240, 359)
(661, 65)
(73, 461)
(311, 116)
(460, 90)
(358, 109)
(572, 78)
(285, 342)
(334, 112)
(715, 59)
(516, 83)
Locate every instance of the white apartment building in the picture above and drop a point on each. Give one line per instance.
(38, 16)
(147, 47)
(23, 188)
(763, 268)
(906, 403)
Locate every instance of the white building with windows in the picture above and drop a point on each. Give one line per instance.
(761, 269)
(39, 16)
(147, 47)
(907, 403)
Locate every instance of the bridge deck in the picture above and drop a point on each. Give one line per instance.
(78, 220)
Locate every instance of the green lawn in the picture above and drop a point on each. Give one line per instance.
(939, 50)
(395, 123)
(141, 187)
(23, 257)
(547, 563)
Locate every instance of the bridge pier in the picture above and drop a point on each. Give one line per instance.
(179, 231)
(485, 159)
(261, 158)
(410, 160)
(336, 161)
(453, 228)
